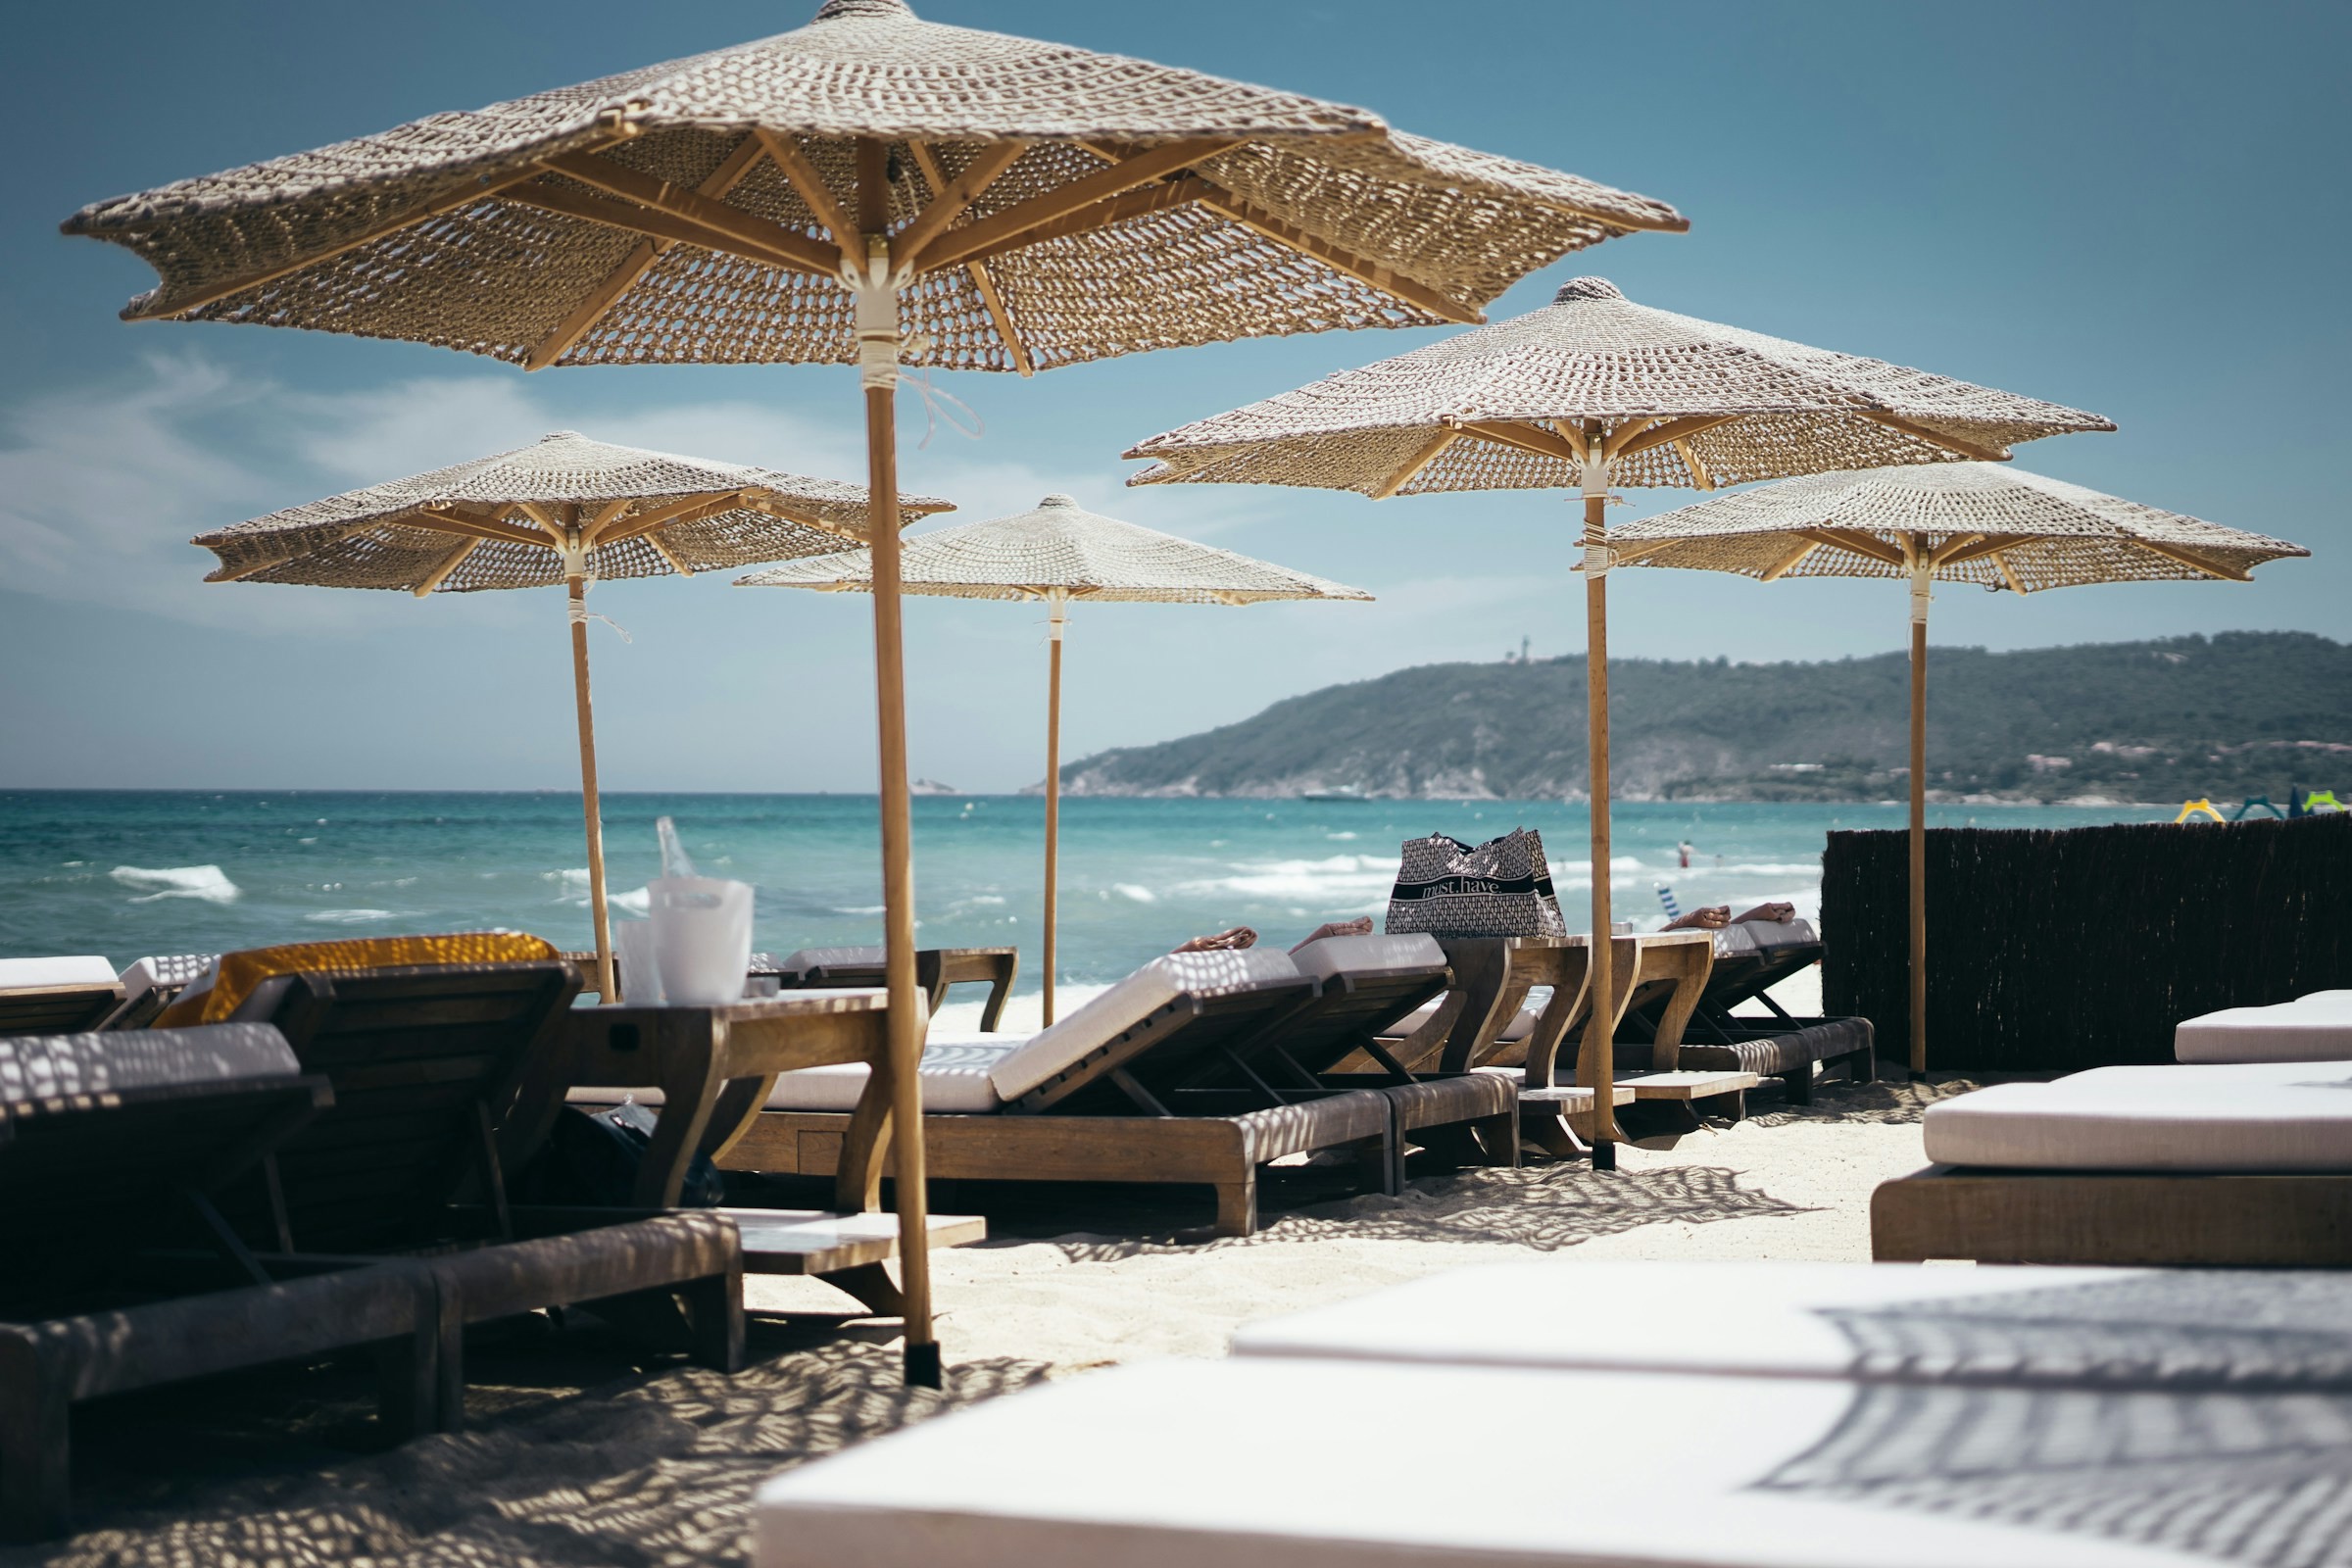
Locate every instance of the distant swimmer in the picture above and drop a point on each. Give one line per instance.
(1686, 847)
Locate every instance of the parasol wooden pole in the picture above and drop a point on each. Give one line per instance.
(1597, 1062)
(879, 357)
(1919, 577)
(591, 806)
(1060, 601)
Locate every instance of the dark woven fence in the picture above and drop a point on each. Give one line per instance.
(2053, 951)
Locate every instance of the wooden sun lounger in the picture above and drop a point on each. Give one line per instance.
(422, 1060)
(1713, 1038)
(96, 1177)
(1492, 976)
(1124, 1115)
(2226, 1165)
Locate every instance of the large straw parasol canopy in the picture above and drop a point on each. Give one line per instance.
(1996, 526)
(1679, 402)
(1050, 205)
(1978, 522)
(506, 522)
(563, 510)
(1589, 392)
(1057, 551)
(1060, 549)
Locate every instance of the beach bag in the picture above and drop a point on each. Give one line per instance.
(591, 1160)
(1502, 888)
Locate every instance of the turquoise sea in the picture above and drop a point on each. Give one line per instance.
(132, 873)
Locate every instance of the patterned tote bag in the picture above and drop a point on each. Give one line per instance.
(1502, 888)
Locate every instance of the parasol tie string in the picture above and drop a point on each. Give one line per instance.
(577, 610)
(1599, 557)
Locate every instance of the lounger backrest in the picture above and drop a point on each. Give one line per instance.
(1362, 984)
(56, 995)
(101, 1133)
(418, 1057)
(1156, 1023)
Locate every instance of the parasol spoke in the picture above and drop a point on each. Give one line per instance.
(1429, 452)
(449, 563)
(1527, 438)
(624, 277)
(807, 183)
(1860, 543)
(1673, 432)
(950, 197)
(995, 231)
(1935, 438)
(746, 229)
(1223, 202)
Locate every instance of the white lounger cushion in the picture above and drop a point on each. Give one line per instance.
(169, 969)
(28, 974)
(1262, 1464)
(2313, 1028)
(1129, 1002)
(955, 1074)
(1890, 1322)
(47, 1066)
(2277, 1116)
(1335, 956)
(1762, 936)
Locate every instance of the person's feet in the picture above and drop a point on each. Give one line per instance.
(1360, 926)
(1713, 918)
(1774, 913)
(1241, 936)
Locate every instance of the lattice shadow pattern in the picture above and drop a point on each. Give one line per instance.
(654, 1469)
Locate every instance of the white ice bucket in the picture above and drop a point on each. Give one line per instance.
(701, 931)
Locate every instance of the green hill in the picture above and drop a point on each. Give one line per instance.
(2237, 715)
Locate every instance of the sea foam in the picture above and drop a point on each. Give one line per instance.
(206, 882)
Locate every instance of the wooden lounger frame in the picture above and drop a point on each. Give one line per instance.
(1150, 1106)
(2134, 1219)
(422, 1060)
(935, 970)
(1711, 1030)
(56, 1009)
(90, 1186)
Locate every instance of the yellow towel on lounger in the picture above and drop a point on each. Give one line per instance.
(240, 972)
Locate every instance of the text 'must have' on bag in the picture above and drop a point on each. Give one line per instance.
(1502, 888)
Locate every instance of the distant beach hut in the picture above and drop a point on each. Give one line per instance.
(1030, 203)
(1593, 391)
(1053, 554)
(564, 510)
(1997, 527)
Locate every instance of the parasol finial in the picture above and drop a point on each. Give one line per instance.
(1586, 288)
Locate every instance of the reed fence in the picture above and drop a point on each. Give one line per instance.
(2057, 950)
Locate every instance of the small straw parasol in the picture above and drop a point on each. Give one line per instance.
(1591, 391)
(564, 510)
(1030, 205)
(1976, 522)
(1057, 553)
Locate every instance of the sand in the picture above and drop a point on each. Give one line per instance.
(579, 1454)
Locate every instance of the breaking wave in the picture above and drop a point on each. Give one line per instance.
(206, 882)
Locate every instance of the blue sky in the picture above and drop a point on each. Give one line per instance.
(2121, 206)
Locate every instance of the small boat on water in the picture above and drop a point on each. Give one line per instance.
(1343, 792)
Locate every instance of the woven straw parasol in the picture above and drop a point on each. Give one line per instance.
(1591, 391)
(563, 510)
(1976, 522)
(1031, 205)
(1057, 553)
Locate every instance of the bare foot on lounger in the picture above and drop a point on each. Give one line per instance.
(1712, 919)
(1360, 926)
(1771, 914)
(1241, 936)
